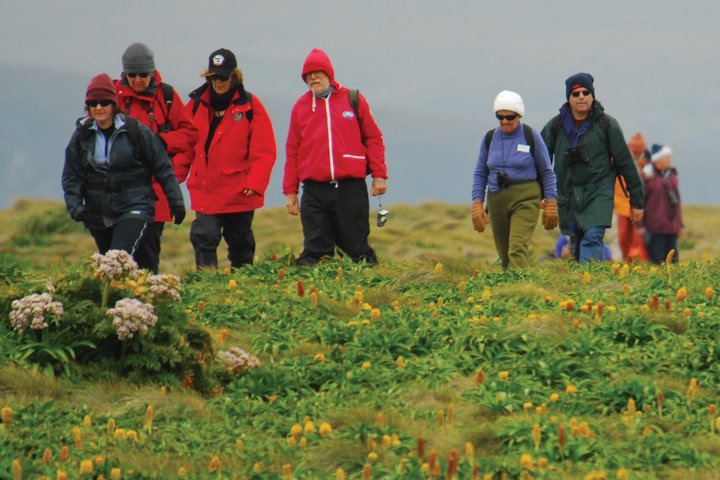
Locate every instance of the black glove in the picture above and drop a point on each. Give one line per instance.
(80, 215)
(178, 212)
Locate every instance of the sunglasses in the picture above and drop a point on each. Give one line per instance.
(141, 75)
(509, 118)
(218, 78)
(584, 93)
(95, 103)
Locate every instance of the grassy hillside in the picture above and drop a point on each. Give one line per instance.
(40, 233)
(435, 364)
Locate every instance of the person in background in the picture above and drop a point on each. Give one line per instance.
(230, 167)
(143, 95)
(563, 249)
(631, 237)
(330, 152)
(110, 162)
(513, 172)
(663, 221)
(583, 139)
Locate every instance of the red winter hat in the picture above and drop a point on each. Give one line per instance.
(101, 88)
(636, 144)
(316, 61)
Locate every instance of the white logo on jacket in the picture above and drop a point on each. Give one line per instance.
(348, 114)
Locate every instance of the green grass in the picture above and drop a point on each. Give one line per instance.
(398, 367)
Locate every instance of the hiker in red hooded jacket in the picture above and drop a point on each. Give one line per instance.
(231, 165)
(141, 94)
(330, 152)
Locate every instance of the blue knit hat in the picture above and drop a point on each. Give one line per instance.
(577, 81)
(658, 151)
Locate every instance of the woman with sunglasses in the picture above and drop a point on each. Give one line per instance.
(515, 168)
(109, 165)
(230, 167)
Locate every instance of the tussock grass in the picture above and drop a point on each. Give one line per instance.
(22, 383)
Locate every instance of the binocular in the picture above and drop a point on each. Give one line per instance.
(575, 155)
(502, 180)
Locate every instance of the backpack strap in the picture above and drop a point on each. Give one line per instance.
(168, 93)
(132, 125)
(527, 131)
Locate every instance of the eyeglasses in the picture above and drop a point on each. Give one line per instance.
(218, 78)
(509, 118)
(141, 75)
(584, 93)
(95, 103)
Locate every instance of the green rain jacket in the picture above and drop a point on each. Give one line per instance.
(586, 188)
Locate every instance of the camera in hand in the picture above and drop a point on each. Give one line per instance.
(575, 155)
(382, 217)
(502, 180)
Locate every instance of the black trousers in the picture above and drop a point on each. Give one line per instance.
(335, 215)
(147, 255)
(124, 235)
(236, 228)
(659, 245)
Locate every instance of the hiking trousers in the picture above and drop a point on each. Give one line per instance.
(124, 235)
(148, 252)
(335, 214)
(236, 228)
(513, 216)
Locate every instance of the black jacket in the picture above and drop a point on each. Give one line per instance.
(101, 195)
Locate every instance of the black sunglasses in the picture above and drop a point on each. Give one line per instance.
(218, 78)
(585, 93)
(95, 103)
(141, 75)
(509, 118)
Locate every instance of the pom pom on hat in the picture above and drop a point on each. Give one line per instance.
(507, 100)
(101, 88)
(577, 81)
(222, 62)
(658, 152)
(138, 58)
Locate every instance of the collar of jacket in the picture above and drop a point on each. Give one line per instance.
(202, 94)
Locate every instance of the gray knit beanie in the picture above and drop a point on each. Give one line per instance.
(138, 58)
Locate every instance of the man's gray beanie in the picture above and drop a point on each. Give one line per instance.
(138, 58)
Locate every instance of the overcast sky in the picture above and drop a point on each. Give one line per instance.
(429, 69)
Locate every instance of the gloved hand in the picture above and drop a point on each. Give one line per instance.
(550, 215)
(80, 215)
(480, 217)
(178, 212)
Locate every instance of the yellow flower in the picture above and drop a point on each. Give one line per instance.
(709, 292)
(47, 456)
(163, 391)
(526, 460)
(325, 429)
(7, 414)
(372, 456)
(400, 362)
(17, 469)
(366, 365)
(319, 357)
(149, 412)
(131, 436)
(622, 474)
(116, 473)
(586, 278)
(571, 389)
(87, 421)
(86, 467)
(469, 452)
(375, 314)
(61, 475)
(99, 461)
(340, 474)
(232, 283)
(527, 406)
(503, 376)
(309, 427)
(438, 267)
(214, 464)
(296, 430)
(111, 426)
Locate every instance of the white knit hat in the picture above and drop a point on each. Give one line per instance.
(507, 100)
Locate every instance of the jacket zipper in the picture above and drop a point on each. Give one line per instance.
(330, 142)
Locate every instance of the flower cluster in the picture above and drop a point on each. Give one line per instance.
(131, 316)
(237, 360)
(115, 264)
(165, 285)
(31, 310)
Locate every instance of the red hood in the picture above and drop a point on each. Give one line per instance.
(318, 60)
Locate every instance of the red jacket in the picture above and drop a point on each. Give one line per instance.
(151, 110)
(241, 155)
(663, 211)
(324, 140)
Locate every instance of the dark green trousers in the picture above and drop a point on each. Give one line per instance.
(513, 216)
